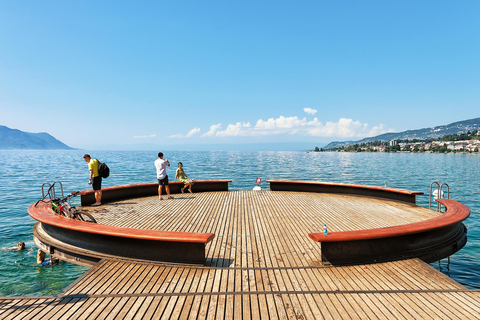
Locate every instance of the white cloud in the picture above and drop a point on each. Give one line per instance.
(193, 132)
(190, 134)
(235, 130)
(281, 123)
(213, 129)
(347, 128)
(145, 137)
(344, 128)
(376, 130)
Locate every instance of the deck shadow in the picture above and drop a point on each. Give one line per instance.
(219, 262)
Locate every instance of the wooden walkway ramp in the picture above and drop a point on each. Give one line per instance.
(408, 289)
(261, 265)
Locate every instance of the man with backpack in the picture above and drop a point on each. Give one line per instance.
(95, 178)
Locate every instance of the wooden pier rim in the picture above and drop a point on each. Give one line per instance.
(429, 240)
(456, 213)
(85, 242)
(344, 188)
(149, 189)
(44, 214)
(79, 239)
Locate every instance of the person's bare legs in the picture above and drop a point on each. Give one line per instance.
(167, 189)
(160, 192)
(98, 196)
(189, 185)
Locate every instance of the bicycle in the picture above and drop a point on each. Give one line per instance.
(64, 208)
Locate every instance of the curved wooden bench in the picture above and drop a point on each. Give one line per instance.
(149, 189)
(43, 213)
(344, 188)
(456, 212)
(433, 238)
(169, 246)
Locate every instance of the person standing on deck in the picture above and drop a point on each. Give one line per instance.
(162, 176)
(95, 179)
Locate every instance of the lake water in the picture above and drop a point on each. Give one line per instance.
(23, 172)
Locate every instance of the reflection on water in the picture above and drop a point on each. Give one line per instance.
(23, 173)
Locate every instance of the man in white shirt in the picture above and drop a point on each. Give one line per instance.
(162, 176)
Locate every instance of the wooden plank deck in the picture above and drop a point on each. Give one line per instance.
(406, 289)
(260, 229)
(261, 265)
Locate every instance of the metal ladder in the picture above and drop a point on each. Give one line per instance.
(51, 190)
(439, 194)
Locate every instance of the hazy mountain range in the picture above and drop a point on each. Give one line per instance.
(426, 133)
(16, 139)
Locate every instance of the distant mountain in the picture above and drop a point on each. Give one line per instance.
(436, 132)
(16, 139)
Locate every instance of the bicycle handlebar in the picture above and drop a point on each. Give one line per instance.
(58, 201)
(73, 194)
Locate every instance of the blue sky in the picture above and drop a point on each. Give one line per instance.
(128, 74)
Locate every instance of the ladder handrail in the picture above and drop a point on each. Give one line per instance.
(51, 189)
(430, 198)
(439, 194)
(441, 191)
(448, 189)
(61, 186)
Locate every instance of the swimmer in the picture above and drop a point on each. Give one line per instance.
(20, 246)
(41, 259)
(40, 256)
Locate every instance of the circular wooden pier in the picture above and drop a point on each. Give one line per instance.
(263, 256)
(278, 227)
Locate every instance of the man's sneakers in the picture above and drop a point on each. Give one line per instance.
(96, 204)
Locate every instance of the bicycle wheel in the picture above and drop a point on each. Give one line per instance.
(60, 210)
(66, 213)
(85, 216)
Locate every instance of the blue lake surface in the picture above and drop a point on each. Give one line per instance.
(23, 172)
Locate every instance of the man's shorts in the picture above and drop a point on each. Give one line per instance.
(163, 182)
(97, 183)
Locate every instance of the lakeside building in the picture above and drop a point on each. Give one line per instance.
(420, 146)
(457, 146)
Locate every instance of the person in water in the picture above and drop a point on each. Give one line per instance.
(182, 177)
(162, 176)
(20, 246)
(95, 179)
(41, 259)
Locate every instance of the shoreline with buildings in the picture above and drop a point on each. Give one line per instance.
(464, 143)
